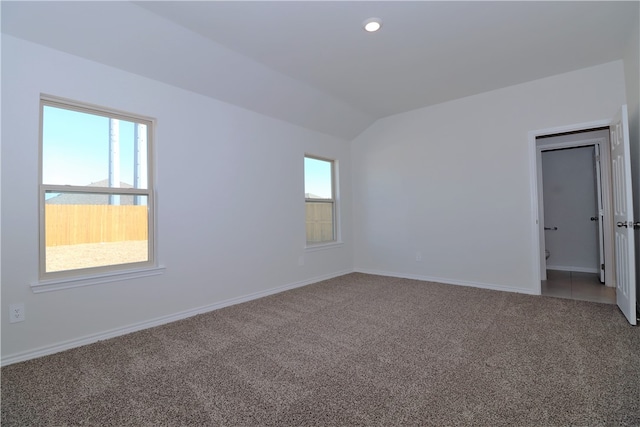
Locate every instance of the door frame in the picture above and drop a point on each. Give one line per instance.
(606, 223)
(537, 251)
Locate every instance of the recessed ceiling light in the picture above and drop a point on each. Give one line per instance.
(372, 24)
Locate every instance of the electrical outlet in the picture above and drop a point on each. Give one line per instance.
(16, 313)
(418, 256)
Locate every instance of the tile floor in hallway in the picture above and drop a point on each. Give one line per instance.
(576, 285)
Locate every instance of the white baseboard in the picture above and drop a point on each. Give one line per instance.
(576, 269)
(89, 339)
(449, 281)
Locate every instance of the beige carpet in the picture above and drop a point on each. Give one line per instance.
(355, 350)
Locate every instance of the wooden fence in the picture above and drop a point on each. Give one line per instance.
(76, 224)
(319, 222)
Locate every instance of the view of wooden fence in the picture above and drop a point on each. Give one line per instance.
(319, 222)
(76, 224)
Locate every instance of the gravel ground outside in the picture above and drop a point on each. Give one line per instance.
(73, 257)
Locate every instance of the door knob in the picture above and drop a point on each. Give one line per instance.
(594, 218)
(629, 224)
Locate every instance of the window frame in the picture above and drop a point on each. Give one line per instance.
(333, 200)
(99, 274)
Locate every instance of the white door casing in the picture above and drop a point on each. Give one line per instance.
(600, 207)
(623, 215)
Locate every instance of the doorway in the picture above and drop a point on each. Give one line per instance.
(574, 200)
(571, 209)
(618, 223)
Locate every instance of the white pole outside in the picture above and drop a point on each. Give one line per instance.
(114, 159)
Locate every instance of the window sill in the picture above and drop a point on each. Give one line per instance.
(323, 246)
(75, 282)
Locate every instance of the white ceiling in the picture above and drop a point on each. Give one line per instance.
(310, 63)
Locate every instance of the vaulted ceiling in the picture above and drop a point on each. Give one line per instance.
(311, 63)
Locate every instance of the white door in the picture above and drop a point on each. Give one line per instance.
(623, 216)
(599, 218)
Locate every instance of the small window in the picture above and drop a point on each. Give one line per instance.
(96, 190)
(319, 188)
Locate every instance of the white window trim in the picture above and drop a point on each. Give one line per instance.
(314, 247)
(337, 235)
(94, 279)
(102, 274)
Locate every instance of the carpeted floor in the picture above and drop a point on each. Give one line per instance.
(354, 350)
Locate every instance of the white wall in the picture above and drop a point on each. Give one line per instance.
(229, 192)
(452, 181)
(569, 189)
(632, 80)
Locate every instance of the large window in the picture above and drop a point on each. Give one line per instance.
(96, 190)
(319, 188)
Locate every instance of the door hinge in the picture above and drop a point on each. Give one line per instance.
(601, 267)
